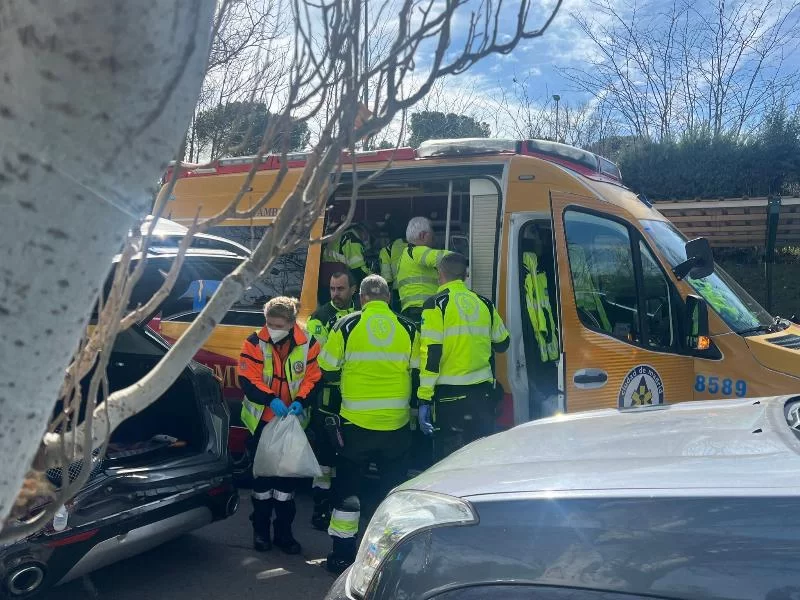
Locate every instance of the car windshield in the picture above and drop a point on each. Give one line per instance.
(734, 305)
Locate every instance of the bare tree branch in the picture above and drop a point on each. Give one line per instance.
(325, 73)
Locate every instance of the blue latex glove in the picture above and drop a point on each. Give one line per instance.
(279, 408)
(295, 408)
(424, 419)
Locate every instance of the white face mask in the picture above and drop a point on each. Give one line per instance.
(276, 335)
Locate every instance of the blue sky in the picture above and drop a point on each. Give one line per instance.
(565, 46)
(486, 92)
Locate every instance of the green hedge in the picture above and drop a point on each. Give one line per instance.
(747, 267)
(700, 165)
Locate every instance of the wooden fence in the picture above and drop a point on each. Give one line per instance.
(733, 222)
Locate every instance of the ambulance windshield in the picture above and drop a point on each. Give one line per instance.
(734, 305)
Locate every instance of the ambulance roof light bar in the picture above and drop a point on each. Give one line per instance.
(585, 162)
(465, 147)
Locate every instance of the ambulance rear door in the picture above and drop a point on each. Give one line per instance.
(619, 311)
(534, 380)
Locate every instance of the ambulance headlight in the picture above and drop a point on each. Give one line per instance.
(400, 515)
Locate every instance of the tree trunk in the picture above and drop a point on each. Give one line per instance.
(96, 97)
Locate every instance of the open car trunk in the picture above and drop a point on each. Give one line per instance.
(179, 423)
(178, 440)
(172, 428)
(169, 428)
(182, 422)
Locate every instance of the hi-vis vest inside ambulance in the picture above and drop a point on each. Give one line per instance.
(633, 315)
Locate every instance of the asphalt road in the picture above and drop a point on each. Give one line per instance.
(216, 562)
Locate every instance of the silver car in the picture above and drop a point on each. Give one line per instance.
(696, 500)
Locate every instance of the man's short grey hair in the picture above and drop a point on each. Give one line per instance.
(416, 227)
(453, 266)
(375, 286)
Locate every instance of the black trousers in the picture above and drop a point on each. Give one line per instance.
(272, 494)
(389, 451)
(462, 414)
(325, 452)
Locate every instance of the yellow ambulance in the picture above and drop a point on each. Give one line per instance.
(606, 302)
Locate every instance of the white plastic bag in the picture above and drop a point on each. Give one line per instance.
(284, 451)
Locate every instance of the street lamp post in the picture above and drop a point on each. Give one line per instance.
(557, 98)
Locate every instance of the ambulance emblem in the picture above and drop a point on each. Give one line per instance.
(642, 386)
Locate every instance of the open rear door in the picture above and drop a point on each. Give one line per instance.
(484, 226)
(619, 311)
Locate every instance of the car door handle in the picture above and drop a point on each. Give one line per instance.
(587, 379)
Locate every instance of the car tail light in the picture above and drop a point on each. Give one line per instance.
(237, 440)
(219, 490)
(72, 539)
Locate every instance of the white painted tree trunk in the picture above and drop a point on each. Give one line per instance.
(95, 96)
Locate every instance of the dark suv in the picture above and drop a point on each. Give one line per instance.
(167, 469)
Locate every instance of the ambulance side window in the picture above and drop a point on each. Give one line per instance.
(603, 278)
(620, 289)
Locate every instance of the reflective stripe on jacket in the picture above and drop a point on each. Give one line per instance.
(540, 313)
(374, 350)
(289, 378)
(459, 331)
(417, 278)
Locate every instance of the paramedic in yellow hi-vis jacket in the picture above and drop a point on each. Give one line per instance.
(389, 258)
(350, 249)
(372, 352)
(417, 278)
(460, 332)
(342, 290)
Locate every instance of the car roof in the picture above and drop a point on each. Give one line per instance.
(169, 234)
(693, 448)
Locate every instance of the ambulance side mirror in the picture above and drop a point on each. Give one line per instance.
(699, 261)
(697, 337)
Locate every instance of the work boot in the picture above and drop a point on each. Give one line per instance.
(286, 542)
(337, 564)
(261, 517)
(261, 543)
(284, 517)
(342, 556)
